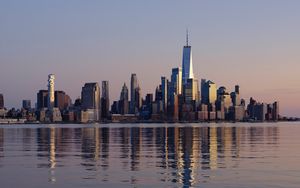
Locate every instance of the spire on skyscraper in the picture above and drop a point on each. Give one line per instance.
(187, 37)
(187, 63)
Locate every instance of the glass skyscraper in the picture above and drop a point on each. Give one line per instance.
(187, 63)
(133, 87)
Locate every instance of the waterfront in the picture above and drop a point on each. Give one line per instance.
(151, 155)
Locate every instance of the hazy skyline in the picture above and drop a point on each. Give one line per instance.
(251, 43)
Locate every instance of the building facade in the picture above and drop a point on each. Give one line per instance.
(26, 104)
(1, 101)
(105, 100)
(187, 62)
(90, 99)
(133, 87)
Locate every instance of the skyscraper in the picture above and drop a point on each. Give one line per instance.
(138, 99)
(187, 63)
(1, 101)
(191, 91)
(42, 99)
(123, 103)
(133, 87)
(235, 96)
(275, 114)
(53, 114)
(90, 96)
(164, 89)
(105, 99)
(208, 92)
(51, 97)
(62, 100)
(176, 81)
(26, 104)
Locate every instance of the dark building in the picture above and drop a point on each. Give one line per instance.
(257, 111)
(1, 101)
(275, 113)
(62, 100)
(164, 92)
(26, 104)
(208, 92)
(138, 99)
(42, 99)
(90, 99)
(149, 100)
(158, 94)
(105, 100)
(115, 107)
(90, 96)
(133, 98)
(123, 102)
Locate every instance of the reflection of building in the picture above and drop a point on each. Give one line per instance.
(179, 153)
(90, 147)
(213, 148)
(52, 148)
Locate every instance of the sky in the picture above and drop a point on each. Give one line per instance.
(254, 44)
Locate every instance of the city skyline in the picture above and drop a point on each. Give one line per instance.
(262, 61)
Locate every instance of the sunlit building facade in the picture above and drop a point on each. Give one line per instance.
(187, 62)
(208, 92)
(90, 98)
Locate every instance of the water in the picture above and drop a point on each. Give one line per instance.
(150, 155)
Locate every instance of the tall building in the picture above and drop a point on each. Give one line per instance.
(164, 89)
(187, 63)
(62, 100)
(158, 94)
(1, 101)
(133, 87)
(51, 97)
(26, 104)
(149, 101)
(105, 100)
(224, 97)
(208, 92)
(191, 91)
(257, 111)
(124, 103)
(42, 99)
(90, 98)
(176, 81)
(235, 96)
(275, 113)
(138, 99)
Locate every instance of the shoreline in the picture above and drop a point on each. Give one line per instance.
(16, 122)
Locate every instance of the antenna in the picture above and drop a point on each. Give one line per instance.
(187, 37)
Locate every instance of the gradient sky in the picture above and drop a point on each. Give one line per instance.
(251, 43)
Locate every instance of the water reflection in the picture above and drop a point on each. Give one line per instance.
(142, 155)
